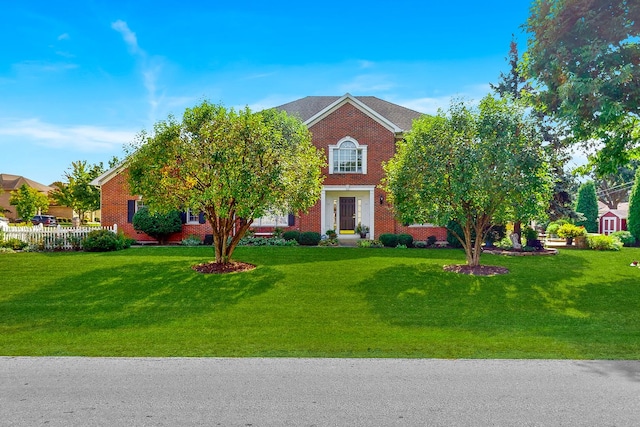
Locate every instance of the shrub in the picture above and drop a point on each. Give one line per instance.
(530, 234)
(157, 225)
(625, 237)
(451, 239)
(192, 240)
(431, 240)
(389, 240)
(364, 243)
(420, 244)
(568, 231)
(405, 240)
(504, 243)
(15, 244)
(266, 241)
(100, 241)
(309, 238)
(4, 250)
(600, 242)
(291, 235)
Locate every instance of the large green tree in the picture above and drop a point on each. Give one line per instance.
(77, 193)
(476, 167)
(514, 84)
(587, 205)
(585, 55)
(234, 166)
(633, 220)
(28, 201)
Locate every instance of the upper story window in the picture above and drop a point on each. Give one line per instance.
(348, 157)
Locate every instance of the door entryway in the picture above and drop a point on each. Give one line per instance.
(347, 215)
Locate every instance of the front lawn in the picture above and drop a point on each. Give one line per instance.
(320, 302)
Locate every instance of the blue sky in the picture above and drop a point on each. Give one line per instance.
(79, 79)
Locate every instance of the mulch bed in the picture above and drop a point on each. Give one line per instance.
(478, 270)
(218, 268)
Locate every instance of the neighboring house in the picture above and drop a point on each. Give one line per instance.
(357, 134)
(11, 183)
(610, 220)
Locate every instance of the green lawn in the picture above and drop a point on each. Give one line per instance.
(320, 302)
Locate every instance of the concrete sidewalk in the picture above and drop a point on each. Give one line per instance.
(317, 392)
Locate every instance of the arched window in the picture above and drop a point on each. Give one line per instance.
(348, 157)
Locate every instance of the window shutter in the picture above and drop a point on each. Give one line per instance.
(291, 220)
(131, 210)
(183, 217)
(201, 218)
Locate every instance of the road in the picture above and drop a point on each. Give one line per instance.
(317, 392)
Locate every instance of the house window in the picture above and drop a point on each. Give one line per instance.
(271, 220)
(139, 205)
(192, 218)
(348, 157)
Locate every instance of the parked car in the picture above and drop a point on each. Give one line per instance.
(46, 220)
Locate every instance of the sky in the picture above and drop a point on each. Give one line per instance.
(80, 79)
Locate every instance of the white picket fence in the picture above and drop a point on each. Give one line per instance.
(51, 238)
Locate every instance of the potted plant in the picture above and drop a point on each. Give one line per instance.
(362, 230)
(570, 231)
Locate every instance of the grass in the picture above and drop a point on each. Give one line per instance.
(320, 302)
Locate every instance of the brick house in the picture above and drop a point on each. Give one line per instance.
(357, 134)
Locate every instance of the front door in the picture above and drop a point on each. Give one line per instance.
(608, 225)
(347, 215)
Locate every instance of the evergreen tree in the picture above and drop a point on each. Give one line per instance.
(587, 205)
(633, 220)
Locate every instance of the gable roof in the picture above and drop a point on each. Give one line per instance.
(311, 109)
(14, 182)
(622, 212)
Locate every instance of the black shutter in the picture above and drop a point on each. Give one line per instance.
(131, 210)
(201, 218)
(291, 220)
(183, 217)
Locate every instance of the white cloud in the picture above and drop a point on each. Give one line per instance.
(64, 36)
(129, 36)
(367, 84)
(79, 137)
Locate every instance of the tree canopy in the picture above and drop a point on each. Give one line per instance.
(234, 166)
(585, 55)
(477, 167)
(633, 220)
(77, 193)
(28, 201)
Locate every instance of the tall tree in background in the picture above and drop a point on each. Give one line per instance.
(586, 56)
(28, 201)
(612, 188)
(515, 85)
(587, 205)
(633, 220)
(77, 193)
(232, 166)
(475, 167)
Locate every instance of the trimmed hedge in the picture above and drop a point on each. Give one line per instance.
(291, 235)
(389, 240)
(406, 240)
(309, 238)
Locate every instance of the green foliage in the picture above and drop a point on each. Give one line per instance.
(291, 235)
(13, 243)
(405, 240)
(587, 205)
(104, 241)
(552, 228)
(157, 225)
(476, 166)
(600, 242)
(625, 237)
(77, 193)
(389, 240)
(569, 231)
(191, 240)
(266, 241)
(28, 201)
(530, 234)
(309, 238)
(431, 240)
(584, 55)
(633, 220)
(228, 164)
(504, 243)
(454, 231)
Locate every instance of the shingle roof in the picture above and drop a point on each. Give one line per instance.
(309, 106)
(14, 182)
